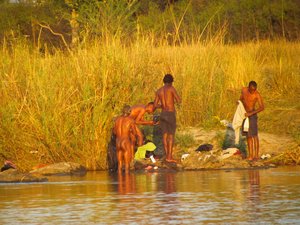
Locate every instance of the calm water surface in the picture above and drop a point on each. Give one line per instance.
(269, 196)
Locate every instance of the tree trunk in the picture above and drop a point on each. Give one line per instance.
(75, 27)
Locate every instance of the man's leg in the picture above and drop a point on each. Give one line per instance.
(170, 145)
(128, 149)
(120, 160)
(165, 143)
(133, 141)
(256, 147)
(250, 148)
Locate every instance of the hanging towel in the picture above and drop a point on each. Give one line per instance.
(237, 122)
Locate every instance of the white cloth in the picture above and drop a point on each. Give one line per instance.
(228, 153)
(237, 122)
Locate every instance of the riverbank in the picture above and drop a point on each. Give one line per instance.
(274, 150)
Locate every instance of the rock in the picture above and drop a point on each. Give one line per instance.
(140, 165)
(15, 176)
(272, 165)
(63, 168)
(159, 165)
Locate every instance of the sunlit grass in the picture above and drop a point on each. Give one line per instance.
(62, 104)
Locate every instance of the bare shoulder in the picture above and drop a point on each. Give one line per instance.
(244, 89)
(138, 106)
(160, 89)
(173, 88)
(257, 94)
(118, 120)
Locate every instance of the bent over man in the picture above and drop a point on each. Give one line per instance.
(138, 112)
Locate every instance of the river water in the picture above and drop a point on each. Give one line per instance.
(270, 196)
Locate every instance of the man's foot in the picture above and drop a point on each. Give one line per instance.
(148, 168)
(249, 159)
(171, 160)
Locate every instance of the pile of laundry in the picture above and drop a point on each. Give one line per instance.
(208, 151)
(206, 157)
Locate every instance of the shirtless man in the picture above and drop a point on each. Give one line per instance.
(124, 127)
(138, 112)
(249, 97)
(166, 97)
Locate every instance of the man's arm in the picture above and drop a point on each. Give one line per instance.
(137, 132)
(261, 106)
(140, 119)
(156, 101)
(242, 95)
(176, 96)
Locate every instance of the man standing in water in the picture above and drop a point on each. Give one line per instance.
(249, 97)
(166, 96)
(125, 127)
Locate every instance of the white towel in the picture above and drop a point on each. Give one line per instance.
(246, 125)
(238, 119)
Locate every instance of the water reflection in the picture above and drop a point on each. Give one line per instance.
(126, 183)
(254, 195)
(130, 183)
(191, 197)
(170, 185)
(254, 184)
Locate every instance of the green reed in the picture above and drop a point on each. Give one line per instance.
(60, 106)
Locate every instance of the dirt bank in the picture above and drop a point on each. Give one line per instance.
(279, 149)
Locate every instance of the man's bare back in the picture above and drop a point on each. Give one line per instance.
(124, 129)
(166, 95)
(138, 112)
(124, 125)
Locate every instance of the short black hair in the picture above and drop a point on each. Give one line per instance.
(150, 103)
(168, 78)
(252, 83)
(126, 110)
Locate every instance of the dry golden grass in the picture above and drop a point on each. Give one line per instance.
(60, 106)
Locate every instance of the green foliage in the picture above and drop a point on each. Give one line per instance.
(173, 22)
(108, 18)
(184, 140)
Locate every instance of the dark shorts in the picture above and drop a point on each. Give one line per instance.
(253, 128)
(168, 122)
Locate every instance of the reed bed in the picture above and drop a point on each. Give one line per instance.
(60, 106)
(288, 157)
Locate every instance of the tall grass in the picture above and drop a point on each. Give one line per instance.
(60, 106)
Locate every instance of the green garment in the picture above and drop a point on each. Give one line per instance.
(141, 151)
